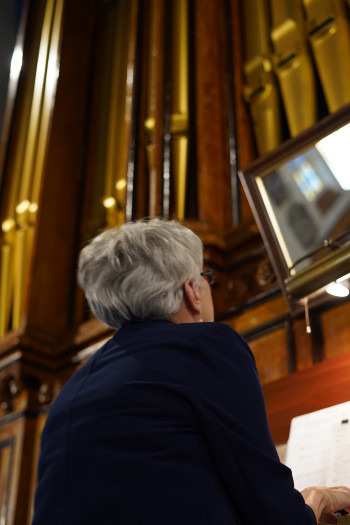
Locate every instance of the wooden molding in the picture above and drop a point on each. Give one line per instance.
(320, 386)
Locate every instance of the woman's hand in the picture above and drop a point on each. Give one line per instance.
(325, 501)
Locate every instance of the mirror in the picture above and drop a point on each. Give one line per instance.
(300, 197)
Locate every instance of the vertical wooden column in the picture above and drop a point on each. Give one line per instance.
(214, 191)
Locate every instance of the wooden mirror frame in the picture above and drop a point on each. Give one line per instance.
(306, 283)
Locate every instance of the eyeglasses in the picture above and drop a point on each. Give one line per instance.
(210, 275)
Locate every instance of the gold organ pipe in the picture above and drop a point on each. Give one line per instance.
(52, 73)
(124, 116)
(130, 86)
(20, 253)
(19, 225)
(120, 112)
(6, 277)
(44, 89)
(113, 126)
(179, 120)
(180, 155)
(49, 90)
(293, 65)
(180, 57)
(260, 90)
(152, 122)
(329, 36)
(34, 122)
(16, 171)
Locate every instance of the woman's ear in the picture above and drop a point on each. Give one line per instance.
(192, 298)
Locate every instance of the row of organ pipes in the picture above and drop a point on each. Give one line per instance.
(289, 46)
(114, 171)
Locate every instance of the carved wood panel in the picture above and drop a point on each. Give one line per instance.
(6, 472)
(11, 441)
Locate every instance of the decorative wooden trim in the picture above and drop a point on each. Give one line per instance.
(323, 385)
(6, 477)
(250, 303)
(285, 322)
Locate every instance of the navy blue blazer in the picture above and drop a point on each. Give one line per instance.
(165, 425)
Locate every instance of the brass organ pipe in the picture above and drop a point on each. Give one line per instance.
(9, 222)
(180, 57)
(25, 185)
(44, 90)
(40, 79)
(179, 120)
(6, 286)
(329, 36)
(124, 117)
(113, 127)
(180, 155)
(293, 65)
(130, 87)
(22, 133)
(48, 96)
(20, 253)
(260, 90)
(120, 104)
(256, 29)
(153, 98)
(16, 171)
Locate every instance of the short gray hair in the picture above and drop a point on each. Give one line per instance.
(137, 272)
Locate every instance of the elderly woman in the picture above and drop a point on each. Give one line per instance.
(165, 424)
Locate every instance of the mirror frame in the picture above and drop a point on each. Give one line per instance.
(307, 282)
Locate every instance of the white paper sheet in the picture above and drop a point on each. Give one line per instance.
(339, 463)
(318, 450)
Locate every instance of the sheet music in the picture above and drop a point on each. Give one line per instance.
(318, 450)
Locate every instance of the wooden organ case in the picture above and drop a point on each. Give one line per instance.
(124, 109)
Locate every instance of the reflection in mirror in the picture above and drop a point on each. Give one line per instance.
(308, 199)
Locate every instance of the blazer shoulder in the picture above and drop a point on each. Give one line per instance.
(223, 340)
(223, 332)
